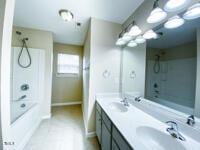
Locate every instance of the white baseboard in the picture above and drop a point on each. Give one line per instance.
(67, 103)
(90, 134)
(28, 136)
(46, 117)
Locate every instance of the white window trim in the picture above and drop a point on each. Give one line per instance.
(65, 75)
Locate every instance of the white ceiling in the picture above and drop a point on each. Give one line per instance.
(43, 14)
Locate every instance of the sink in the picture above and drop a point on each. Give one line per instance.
(154, 139)
(115, 106)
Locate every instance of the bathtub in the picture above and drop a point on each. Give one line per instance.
(18, 108)
(25, 119)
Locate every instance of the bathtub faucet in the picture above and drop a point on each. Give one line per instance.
(22, 97)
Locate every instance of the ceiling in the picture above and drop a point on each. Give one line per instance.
(43, 15)
(175, 37)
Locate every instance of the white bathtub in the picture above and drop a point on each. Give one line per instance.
(25, 121)
(18, 108)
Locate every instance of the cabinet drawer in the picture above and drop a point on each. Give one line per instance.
(121, 142)
(98, 108)
(106, 120)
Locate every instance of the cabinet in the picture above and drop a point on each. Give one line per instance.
(98, 125)
(106, 138)
(108, 135)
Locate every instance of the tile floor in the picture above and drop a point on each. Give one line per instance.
(64, 131)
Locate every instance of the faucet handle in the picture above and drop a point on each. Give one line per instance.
(172, 124)
(191, 120)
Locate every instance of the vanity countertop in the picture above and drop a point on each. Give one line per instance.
(128, 123)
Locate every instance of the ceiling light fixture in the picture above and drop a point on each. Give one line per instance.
(126, 37)
(140, 39)
(150, 34)
(193, 12)
(132, 44)
(174, 22)
(157, 14)
(120, 40)
(176, 5)
(66, 15)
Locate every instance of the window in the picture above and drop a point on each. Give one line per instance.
(67, 64)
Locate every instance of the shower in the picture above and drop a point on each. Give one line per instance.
(24, 45)
(156, 66)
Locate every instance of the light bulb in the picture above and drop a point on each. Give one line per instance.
(156, 15)
(150, 34)
(176, 5)
(120, 42)
(66, 15)
(126, 37)
(132, 44)
(140, 40)
(134, 31)
(193, 12)
(174, 22)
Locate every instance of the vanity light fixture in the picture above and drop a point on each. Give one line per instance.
(193, 12)
(176, 5)
(150, 34)
(66, 15)
(134, 30)
(157, 14)
(120, 40)
(126, 37)
(174, 22)
(140, 39)
(132, 44)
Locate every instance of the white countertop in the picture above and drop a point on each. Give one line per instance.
(128, 122)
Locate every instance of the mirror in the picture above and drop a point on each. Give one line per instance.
(164, 70)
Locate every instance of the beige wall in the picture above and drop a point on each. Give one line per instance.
(66, 89)
(41, 40)
(187, 50)
(104, 55)
(86, 75)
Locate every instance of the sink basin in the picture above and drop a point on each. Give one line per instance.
(115, 106)
(154, 139)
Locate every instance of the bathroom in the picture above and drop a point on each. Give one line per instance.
(90, 75)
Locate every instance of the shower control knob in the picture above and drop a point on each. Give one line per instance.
(24, 87)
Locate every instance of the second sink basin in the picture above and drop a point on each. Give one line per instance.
(154, 139)
(118, 107)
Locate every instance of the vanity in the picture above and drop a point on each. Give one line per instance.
(128, 127)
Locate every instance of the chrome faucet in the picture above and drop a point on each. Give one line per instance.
(138, 98)
(22, 97)
(191, 120)
(125, 102)
(173, 130)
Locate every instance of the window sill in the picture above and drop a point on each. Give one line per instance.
(67, 75)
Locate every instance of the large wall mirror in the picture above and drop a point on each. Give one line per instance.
(164, 70)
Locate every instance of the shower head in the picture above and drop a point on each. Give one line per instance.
(25, 39)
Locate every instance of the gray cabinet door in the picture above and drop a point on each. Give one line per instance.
(114, 145)
(98, 126)
(106, 138)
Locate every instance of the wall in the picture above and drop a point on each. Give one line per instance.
(2, 9)
(41, 40)
(6, 23)
(179, 61)
(66, 89)
(197, 100)
(134, 59)
(86, 76)
(104, 55)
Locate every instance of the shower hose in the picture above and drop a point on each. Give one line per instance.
(20, 54)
